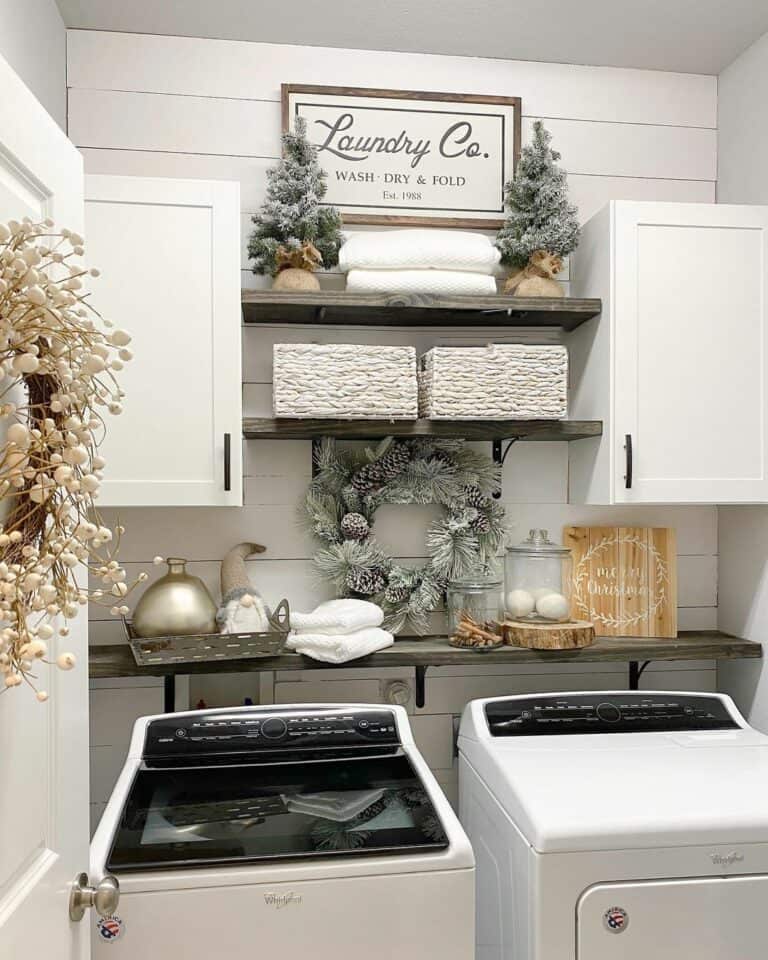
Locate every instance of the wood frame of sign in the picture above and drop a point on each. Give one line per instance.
(411, 158)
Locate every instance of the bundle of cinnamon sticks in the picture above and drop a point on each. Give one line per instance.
(470, 633)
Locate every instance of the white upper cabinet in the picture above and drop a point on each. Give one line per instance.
(169, 255)
(676, 364)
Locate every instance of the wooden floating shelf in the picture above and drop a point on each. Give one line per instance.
(542, 430)
(117, 660)
(413, 310)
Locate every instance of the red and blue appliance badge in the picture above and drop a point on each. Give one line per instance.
(109, 929)
(616, 920)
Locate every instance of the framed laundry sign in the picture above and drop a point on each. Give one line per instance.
(404, 157)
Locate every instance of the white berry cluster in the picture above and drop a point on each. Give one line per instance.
(58, 358)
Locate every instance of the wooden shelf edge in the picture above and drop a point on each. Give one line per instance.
(255, 428)
(353, 309)
(117, 660)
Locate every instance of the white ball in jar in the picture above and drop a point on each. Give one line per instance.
(552, 606)
(540, 592)
(520, 603)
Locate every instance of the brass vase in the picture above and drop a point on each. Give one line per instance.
(177, 604)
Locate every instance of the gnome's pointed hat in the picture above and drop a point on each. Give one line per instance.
(234, 578)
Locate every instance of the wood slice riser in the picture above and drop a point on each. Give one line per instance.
(549, 636)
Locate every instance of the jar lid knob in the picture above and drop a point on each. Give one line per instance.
(538, 536)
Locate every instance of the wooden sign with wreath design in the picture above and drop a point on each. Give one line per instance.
(624, 579)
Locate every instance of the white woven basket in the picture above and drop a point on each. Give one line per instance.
(497, 382)
(344, 380)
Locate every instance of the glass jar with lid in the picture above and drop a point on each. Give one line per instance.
(473, 611)
(537, 579)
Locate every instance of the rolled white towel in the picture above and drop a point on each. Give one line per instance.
(338, 616)
(340, 649)
(420, 249)
(447, 282)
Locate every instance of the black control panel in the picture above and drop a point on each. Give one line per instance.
(262, 731)
(550, 715)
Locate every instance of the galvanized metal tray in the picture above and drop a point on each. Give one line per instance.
(198, 648)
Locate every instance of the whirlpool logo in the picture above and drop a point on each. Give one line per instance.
(281, 900)
(726, 859)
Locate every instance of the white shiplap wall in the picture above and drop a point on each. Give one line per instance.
(743, 531)
(180, 107)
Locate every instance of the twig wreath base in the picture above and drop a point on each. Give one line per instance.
(351, 485)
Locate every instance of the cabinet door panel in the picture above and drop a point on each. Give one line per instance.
(168, 252)
(690, 359)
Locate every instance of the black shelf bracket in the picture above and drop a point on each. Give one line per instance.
(636, 670)
(169, 694)
(421, 675)
(499, 457)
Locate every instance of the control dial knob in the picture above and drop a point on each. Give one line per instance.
(273, 728)
(608, 712)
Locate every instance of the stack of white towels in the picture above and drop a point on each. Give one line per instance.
(338, 631)
(444, 262)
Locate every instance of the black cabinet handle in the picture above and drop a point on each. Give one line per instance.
(628, 457)
(227, 461)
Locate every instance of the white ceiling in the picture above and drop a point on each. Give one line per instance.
(691, 36)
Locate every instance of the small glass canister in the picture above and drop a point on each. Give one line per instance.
(537, 580)
(473, 612)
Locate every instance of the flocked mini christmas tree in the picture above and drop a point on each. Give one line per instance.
(294, 234)
(541, 227)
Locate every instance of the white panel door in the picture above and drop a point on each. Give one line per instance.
(169, 252)
(44, 747)
(709, 919)
(690, 318)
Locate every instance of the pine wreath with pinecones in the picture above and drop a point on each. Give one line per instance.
(350, 486)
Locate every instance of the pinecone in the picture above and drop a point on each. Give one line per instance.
(375, 475)
(397, 592)
(354, 526)
(366, 581)
(442, 455)
(481, 524)
(475, 498)
(351, 499)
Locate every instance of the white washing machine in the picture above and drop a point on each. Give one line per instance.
(616, 825)
(290, 832)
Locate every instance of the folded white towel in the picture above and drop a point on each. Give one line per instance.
(448, 282)
(340, 649)
(407, 249)
(338, 616)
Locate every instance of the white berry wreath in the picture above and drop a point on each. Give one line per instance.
(350, 486)
(58, 363)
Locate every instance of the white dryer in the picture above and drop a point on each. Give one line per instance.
(287, 832)
(616, 825)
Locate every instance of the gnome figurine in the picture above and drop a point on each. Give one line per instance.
(242, 609)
